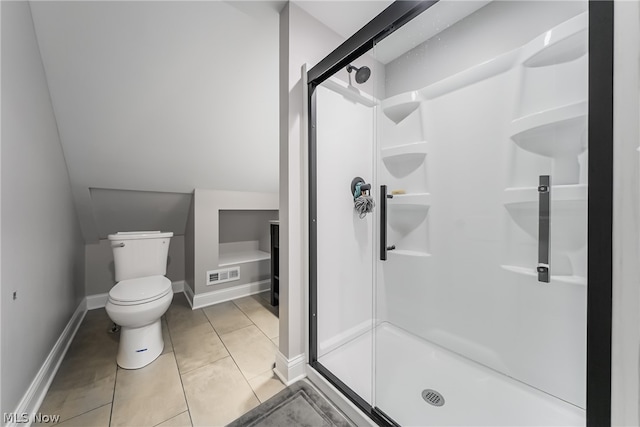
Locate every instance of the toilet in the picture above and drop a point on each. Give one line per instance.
(141, 295)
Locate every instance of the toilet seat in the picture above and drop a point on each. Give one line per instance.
(139, 291)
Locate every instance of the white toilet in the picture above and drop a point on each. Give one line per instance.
(141, 295)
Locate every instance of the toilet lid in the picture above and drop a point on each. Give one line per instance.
(141, 290)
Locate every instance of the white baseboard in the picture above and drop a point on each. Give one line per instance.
(290, 370)
(177, 286)
(32, 399)
(100, 300)
(188, 292)
(339, 400)
(228, 294)
(97, 301)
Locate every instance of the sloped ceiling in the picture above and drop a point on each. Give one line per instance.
(344, 17)
(161, 97)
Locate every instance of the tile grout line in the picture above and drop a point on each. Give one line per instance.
(177, 415)
(84, 413)
(113, 397)
(227, 332)
(252, 323)
(175, 359)
(261, 331)
(231, 355)
(259, 328)
(83, 325)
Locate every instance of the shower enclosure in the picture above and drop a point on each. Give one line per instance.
(468, 296)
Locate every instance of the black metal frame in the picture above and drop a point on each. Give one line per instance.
(600, 203)
(600, 213)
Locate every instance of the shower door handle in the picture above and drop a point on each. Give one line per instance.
(383, 223)
(544, 223)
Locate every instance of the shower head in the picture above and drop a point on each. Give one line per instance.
(362, 73)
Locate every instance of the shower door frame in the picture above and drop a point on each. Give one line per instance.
(599, 206)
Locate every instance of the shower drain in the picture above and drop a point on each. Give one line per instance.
(432, 397)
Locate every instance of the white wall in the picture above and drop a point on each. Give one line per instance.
(477, 293)
(345, 242)
(162, 96)
(42, 248)
(434, 57)
(100, 269)
(626, 220)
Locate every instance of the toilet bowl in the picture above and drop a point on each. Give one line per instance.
(137, 305)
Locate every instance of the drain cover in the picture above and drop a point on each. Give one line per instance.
(432, 397)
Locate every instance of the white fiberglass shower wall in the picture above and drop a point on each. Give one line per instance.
(345, 127)
(455, 327)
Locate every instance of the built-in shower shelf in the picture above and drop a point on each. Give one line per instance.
(410, 201)
(408, 253)
(531, 272)
(398, 107)
(564, 43)
(401, 160)
(559, 193)
(555, 132)
(413, 149)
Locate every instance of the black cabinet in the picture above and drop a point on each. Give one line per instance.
(275, 264)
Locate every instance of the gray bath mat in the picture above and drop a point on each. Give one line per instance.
(297, 405)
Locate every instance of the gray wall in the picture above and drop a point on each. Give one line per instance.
(242, 226)
(189, 248)
(126, 210)
(207, 205)
(100, 273)
(42, 247)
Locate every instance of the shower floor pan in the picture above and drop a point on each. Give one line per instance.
(473, 395)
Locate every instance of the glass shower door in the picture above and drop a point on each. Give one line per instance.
(480, 291)
(345, 242)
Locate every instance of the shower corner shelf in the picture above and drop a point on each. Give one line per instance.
(531, 272)
(403, 159)
(417, 149)
(559, 193)
(409, 253)
(398, 107)
(540, 132)
(566, 42)
(410, 201)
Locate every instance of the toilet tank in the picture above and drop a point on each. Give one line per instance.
(140, 253)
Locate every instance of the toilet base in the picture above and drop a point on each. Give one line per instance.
(140, 346)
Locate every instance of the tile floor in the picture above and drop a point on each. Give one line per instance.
(216, 365)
